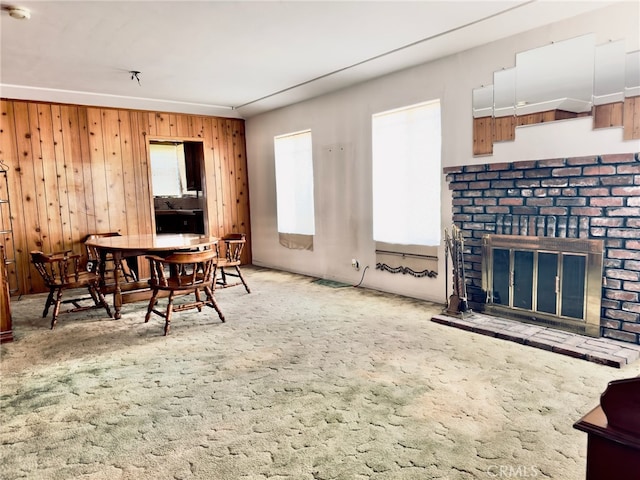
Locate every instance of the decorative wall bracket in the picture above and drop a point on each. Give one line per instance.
(406, 270)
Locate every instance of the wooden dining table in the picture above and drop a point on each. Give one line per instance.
(128, 246)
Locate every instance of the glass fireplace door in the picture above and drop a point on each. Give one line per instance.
(523, 279)
(547, 289)
(573, 285)
(501, 291)
(546, 282)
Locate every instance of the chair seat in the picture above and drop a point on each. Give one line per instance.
(84, 278)
(222, 263)
(184, 282)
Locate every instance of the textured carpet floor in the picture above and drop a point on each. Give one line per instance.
(303, 382)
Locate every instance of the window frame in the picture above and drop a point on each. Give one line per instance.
(295, 226)
(429, 235)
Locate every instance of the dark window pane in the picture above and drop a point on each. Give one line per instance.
(573, 279)
(501, 276)
(547, 273)
(523, 279)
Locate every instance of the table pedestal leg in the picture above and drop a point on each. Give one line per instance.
(117, 294)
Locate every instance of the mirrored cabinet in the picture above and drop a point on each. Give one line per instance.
(563, 80)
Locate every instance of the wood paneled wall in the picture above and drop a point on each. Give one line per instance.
(631, 118)
(75, 170)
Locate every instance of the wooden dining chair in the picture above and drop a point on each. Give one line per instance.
(233, 244)
(93, 258)
(182, 273)
(62, 271)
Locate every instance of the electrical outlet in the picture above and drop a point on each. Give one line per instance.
(355, 264)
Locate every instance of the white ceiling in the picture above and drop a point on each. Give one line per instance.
(239, 58)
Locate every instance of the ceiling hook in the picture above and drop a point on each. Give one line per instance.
(134, 76)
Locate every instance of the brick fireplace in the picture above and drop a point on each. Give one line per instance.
(594, 197)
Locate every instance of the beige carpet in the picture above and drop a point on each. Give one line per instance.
(303, 382)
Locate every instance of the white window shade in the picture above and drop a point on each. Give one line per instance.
(406, 175)
(168, 178)
(294, 183)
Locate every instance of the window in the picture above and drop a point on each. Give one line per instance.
(406, 175)
(168, 174)
(294, 185)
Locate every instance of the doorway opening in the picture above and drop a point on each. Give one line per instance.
(176, 181)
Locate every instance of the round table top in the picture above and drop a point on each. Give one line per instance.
(153, 242)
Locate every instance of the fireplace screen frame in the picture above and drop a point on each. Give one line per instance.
(589, 249)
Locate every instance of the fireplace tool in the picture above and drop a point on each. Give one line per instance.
(454, 248)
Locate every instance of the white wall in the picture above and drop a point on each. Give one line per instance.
(341, 128)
